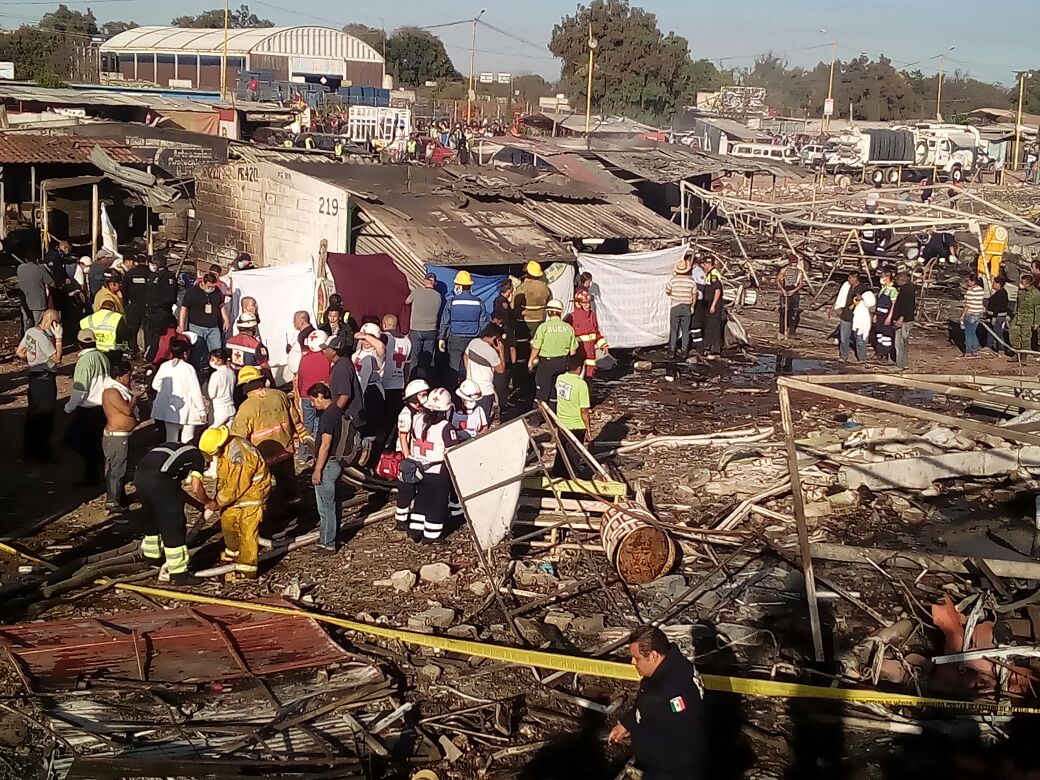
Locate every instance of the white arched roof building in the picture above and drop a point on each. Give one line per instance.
(186, 54)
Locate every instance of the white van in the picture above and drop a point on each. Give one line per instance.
(770, 152)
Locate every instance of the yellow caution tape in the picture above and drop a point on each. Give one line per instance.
(593, 667)
(26, 556)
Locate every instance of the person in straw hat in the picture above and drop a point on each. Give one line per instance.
(682, 295)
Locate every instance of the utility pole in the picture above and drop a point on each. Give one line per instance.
(588, 93)
(1018, 121)
(830, 87)
(472, 72)
(938, 93)
(223, 56)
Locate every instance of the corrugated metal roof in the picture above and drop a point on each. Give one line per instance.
(598, 123)
(434, 229)
(304, 41)
(618, 218)
(154, 99)
(24, 148)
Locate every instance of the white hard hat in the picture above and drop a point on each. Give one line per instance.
(468, 391)
(317, 341)
(554, 305)
(415, 387)
(246, 320)
(439, 400)
(371, 329)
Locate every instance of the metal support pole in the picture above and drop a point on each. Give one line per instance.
(95, 207)
(799, 516)
(223, 56)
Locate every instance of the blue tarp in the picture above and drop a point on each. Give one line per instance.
(484, 287)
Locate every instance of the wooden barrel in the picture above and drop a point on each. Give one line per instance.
(639, 551)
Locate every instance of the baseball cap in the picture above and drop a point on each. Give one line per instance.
(337, 344)
(85, 336)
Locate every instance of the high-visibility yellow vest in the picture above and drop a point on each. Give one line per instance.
(104, 323)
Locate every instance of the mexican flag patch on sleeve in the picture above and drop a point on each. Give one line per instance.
(677, 704)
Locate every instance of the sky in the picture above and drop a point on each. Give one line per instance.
(734, 31)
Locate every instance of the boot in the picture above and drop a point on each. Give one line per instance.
(185, 578)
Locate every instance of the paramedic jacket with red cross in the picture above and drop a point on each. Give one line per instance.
(667, 724)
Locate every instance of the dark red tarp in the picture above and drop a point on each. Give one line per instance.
(371, 285)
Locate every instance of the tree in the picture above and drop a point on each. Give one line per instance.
(214, 18)
(639, 71)
(69, 22)
(416, 56)
(108, 29)
(56, 46)
(373, 36)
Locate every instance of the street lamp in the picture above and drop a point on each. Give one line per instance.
(1018, 122)
(938, 94)
(830, 86)
(588, 93)
(472, 64)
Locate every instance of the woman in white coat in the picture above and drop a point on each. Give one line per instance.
(179, 402)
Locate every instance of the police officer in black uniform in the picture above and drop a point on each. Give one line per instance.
(160, 297)
(135, 299)
(667, 724)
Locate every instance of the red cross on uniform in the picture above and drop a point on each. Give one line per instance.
(423, 446)
(399, 358)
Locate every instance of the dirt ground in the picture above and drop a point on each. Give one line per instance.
(49, 516)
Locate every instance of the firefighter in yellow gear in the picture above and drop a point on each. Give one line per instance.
(269, 420)
(243, 485)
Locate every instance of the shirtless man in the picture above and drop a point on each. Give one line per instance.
(120, 405)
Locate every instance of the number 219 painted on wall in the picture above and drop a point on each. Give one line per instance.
(328, 206)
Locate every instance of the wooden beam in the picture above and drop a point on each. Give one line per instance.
(906, 559)
(907, 411)
(803, 529)
(592, 487)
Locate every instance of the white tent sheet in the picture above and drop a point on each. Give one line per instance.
(280, 292)
(632, 306)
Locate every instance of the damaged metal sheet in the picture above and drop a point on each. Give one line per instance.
(204, 643)
(148, 189)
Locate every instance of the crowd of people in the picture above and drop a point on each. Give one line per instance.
(357, 393)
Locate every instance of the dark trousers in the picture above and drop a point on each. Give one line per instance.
(502, 390)
(713, 337)
(456, 347)
(790, 313)
(154, 318)
(83, 436)
(135, 316)
(424, 347)
(116, 449)
(697, 325)
(679, 318)
(430, 511)
(39, 415)
(374, 404)
(163, 508)
(392, 405)
(284, 474)
(546, 373)
(405, 497)
(574, 456)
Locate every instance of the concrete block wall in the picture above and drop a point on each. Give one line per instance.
(228, 208)
(279, 216)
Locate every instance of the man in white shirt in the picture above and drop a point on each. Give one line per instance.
(484, 357)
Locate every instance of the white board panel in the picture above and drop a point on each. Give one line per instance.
(487, 460)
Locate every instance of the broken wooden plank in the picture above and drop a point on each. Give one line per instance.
(904, 559)
(592, 487)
